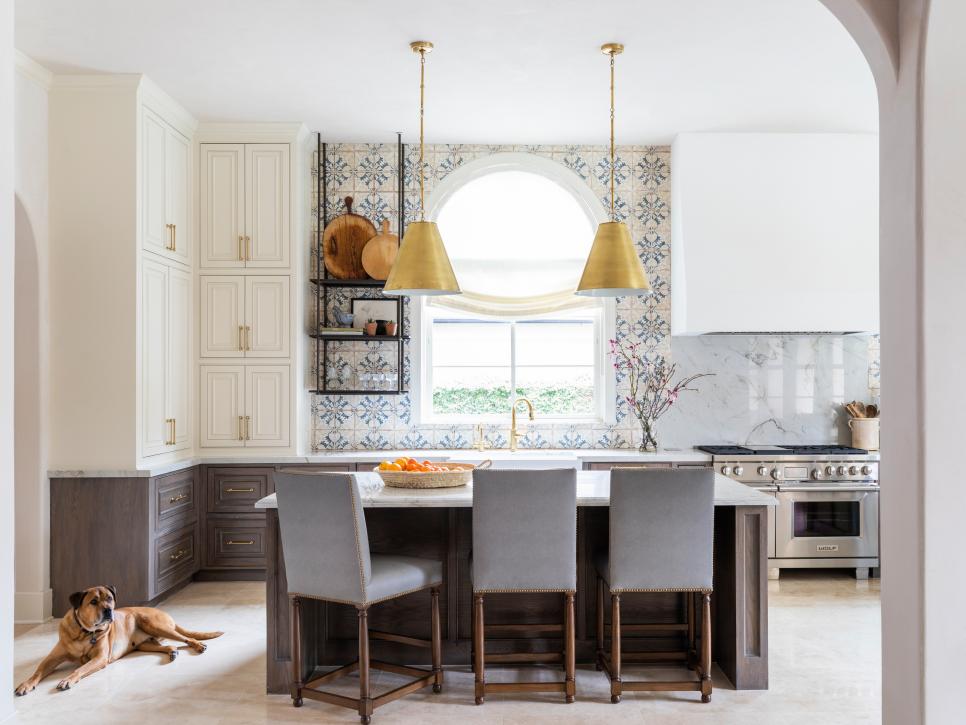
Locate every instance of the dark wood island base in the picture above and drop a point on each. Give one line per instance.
(739, 605)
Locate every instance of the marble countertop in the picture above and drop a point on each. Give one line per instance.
(593, 489)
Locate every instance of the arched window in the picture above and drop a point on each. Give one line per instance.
(517, 228)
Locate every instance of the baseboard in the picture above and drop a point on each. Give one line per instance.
(33, 607)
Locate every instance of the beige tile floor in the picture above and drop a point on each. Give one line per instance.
(825, 669)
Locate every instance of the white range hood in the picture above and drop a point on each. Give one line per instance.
(774, 233)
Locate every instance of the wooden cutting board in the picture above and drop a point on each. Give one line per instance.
(343, 241)
(380, 252)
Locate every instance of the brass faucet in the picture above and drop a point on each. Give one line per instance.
(514, 434)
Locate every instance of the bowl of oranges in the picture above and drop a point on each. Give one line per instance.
(412, 473)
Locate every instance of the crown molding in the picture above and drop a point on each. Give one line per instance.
(215, 132)
(32, 70)
(155, 98)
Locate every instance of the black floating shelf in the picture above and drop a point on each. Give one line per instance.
(329, 282)
(360, 338)
(334, 391)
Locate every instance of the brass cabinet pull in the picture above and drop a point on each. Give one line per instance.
(169, 439)
(174, 237)
(180, 554)
(179, 497)
(248, 431)
(241, 422)
(241, 337)
(248, 249)
(241, 248)
(174, 430)
(232, 542)
(239, 490)
(248, 337)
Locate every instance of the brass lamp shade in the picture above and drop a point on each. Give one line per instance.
(613, 268)
(422, 266)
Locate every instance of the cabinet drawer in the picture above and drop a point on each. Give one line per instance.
(235, 490)
(176, 503)
(175, 558)
(238, 544)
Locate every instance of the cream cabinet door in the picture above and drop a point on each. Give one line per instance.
(223, 332)
(177, 169)
(266, 316)
(267, 401)
(267, 204)
(154, 220)
(154, 358)
(222, 406)
(222, 205)
(179, 358)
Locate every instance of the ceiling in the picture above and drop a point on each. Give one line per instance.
(504, 71)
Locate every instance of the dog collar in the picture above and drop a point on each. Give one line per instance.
(91, 632)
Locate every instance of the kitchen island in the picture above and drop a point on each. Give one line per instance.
(438, 524)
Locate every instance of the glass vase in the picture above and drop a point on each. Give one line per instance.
(648, 436)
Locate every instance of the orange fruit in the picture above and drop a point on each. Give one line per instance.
(393, 467)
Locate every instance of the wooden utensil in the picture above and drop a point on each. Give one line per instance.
(343, 241)
(872, 411)
(380, 252)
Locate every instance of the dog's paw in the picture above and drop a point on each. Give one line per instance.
(64, 685)
(24, 688)
(200, 648)
(173, 654)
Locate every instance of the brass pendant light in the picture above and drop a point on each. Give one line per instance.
(613, 267)
(422, 266)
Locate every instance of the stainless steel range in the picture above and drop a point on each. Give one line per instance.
(828, 502)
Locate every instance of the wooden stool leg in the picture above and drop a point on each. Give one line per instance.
(478, 644)
(297, 683)
(570, 646)
(615, 648)
(706, 649)
(365, 702)
(600, 622)
(436, 644)
(692, 615)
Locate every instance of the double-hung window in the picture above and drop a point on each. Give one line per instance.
(517, 229)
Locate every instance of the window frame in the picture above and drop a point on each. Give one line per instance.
(604, 413)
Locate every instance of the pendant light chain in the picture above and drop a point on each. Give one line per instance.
(613, 216)
(422, 102)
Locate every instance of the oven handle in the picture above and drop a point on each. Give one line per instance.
(829, 489)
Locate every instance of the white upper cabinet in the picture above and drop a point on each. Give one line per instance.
(267, 401)
(245, 406)
(774, 233)
(223, 406)
(245, 205)
(244, 316)
(165, 189)
(166, 360)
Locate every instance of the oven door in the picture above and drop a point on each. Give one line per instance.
(827, 524)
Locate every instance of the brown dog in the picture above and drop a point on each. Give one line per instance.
(94, 634)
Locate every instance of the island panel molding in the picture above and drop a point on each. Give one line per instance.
(792, 413)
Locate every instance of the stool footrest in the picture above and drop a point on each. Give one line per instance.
(526, 687)
(524, 658)
(400, 638)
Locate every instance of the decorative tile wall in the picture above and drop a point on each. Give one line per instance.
(368, 173)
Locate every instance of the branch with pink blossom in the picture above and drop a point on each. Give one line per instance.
(652, 390)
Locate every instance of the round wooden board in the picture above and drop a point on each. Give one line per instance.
(380, 252)
(343, 241)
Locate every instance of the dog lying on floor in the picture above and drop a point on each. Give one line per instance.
(95, 634)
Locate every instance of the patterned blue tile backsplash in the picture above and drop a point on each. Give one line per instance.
(766, 388)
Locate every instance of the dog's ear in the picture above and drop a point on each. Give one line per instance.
(113, 591)
(76, 599)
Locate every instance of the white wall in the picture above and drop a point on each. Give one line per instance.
(944, 350)
(31, 370)
(6, 358)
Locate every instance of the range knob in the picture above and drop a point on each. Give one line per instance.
(841, 470)
(739, 470)
(726, 470)
(776, 474)
(830, 471)
(817, 473)
(866, 470)
(853, 470)
(762, 470)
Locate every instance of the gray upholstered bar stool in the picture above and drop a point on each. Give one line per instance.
(524, 540)
(661, 540)
(326, 550)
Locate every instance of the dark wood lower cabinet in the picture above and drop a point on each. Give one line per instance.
(150, 536)
(328, 634)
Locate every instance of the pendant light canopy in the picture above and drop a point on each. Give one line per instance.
(613, 267)
(422, 266)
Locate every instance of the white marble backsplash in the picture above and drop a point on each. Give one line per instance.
(770, 388)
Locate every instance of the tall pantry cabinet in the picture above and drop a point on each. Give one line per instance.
(249, 335)
(121, 274)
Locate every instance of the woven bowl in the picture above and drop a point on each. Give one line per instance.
(459, 474)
